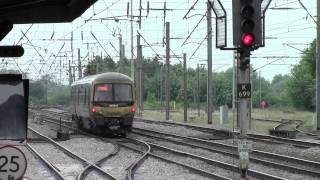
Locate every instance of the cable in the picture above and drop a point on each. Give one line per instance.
(307, 11)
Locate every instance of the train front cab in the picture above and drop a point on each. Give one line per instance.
(113, 107)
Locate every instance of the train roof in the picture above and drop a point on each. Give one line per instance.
(105, 77)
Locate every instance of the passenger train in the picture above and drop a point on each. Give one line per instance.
(104, 103)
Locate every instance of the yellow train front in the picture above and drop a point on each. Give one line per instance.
(104, 103)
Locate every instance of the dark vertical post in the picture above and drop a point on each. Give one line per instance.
(138, 82)
(60, 70)
(70, 74)
(167, 69)
(132, 61)
(141, 74)
(185, 105)
(79, 64)
(198, 89)
(243, 108)
(209, 78)
(234, 80)
(140, 9)
(260, 97)
(318, 67)
(120, 54)
(161, 87)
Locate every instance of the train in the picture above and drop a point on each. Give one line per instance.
(104, 103)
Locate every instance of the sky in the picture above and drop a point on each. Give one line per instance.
(289, 29)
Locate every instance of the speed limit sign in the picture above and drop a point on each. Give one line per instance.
(13, 163)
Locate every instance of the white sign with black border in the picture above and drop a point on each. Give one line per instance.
(13, 163)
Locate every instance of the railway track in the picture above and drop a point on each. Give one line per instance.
(285, 163)
(71, 154)
(55, 172)
(132, 144)
(226, 133)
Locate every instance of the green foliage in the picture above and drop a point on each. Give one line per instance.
(99, 65)
(59, 95)
(301, 85)
(46, 91)
(295, 90)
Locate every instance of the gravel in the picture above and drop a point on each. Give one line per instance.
(118, 164)
(90, 149)
(180, 130)
(68, 166)
(43, 128)
(159, 170)
(93, 175)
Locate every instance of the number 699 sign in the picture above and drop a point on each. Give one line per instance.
(13, 163)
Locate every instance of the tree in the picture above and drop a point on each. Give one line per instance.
(98, 65)
(301, 85)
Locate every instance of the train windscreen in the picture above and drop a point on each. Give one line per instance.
(122, 92)
(103, 93)
(113, 93)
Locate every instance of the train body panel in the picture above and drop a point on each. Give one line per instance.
(103, 102)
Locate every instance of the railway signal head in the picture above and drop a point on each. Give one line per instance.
(247, 31)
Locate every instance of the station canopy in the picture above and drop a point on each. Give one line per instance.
(42, 11)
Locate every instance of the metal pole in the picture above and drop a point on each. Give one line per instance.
(79, 64)
(250, 110)
(260, 88)
(73, 74)
(209, 78)
(198, 89)
(47, 89)
(138, 76)
(97, 67)
(70, 74)
(318, 68)
(120, 49)
(234, 81)
(132, 61)
(140, 8)
(71, 47)
(141, 78)
(185, 105)
(167, 69)
(160, 87)
(60, 70)
(243, 109)
(123, 51)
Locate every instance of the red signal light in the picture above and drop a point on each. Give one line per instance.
(247, 39)
(94, 109)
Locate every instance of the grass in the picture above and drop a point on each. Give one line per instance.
(256, 126)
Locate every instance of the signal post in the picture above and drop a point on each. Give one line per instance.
(247, 36)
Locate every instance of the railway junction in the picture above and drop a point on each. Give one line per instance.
(159, 149)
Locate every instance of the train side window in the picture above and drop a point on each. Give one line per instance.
(88, 96)
(82, 95)
(72, 94)
(78, 93)
(85, 96)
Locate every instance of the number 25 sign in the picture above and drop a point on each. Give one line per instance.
(13, 163)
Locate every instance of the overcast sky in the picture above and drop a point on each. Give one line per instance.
(289, 29)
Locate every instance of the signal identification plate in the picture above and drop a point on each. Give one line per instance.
(244, 90)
